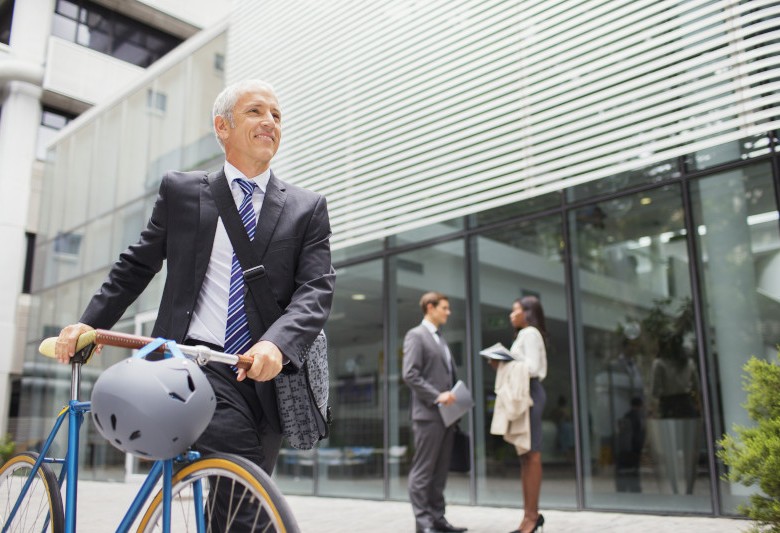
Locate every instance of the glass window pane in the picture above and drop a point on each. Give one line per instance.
(69, 9)
(358, 250)
(654, 173)
(64, 28)
(6, 14)
(639, 375)
(131, 180)
(97, 244)
(350, 462)
(739, 244)
(726, 153)
(514, 261)
(517, 209)
(166, 114)
(105, 162)
(430, 231)
(199, 144)
(437, 268)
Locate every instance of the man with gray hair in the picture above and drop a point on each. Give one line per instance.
(205, 301)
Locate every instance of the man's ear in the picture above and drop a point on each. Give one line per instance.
(221, 126)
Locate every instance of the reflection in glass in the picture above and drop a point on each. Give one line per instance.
(435, 268)
(431, 231)
(726, 153)
(357, 250)
(517, 209)
(515, 261)
(655, 173)
(644, 443)
(350, 462)
(736, 217)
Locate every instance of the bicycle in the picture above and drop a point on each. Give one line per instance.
(31, 491)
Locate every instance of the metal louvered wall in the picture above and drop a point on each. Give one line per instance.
(409, 112)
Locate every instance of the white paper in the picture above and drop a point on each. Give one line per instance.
(498, 352)
(462, 404)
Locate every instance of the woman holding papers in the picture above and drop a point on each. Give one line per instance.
(527, 317)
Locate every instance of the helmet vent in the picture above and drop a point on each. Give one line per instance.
(113, 422)
(175, 396)
(190, 383)
(135, 435)
(97, 420)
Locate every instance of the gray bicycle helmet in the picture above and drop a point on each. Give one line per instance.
(152, 409)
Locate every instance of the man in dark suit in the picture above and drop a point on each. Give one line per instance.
(429, 371)
(292, 236)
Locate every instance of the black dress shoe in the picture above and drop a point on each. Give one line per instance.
(429, 530)
(443, 525)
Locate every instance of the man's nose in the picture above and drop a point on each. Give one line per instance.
(268, 120)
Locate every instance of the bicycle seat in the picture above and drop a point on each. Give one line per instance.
(85, 347)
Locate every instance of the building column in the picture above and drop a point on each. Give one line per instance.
(20, 95)
(21, 116)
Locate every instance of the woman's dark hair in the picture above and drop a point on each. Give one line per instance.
(534, 314)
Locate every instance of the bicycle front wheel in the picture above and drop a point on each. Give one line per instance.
(222, 493)
(41, 507)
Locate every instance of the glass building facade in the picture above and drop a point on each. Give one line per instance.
(658, 280)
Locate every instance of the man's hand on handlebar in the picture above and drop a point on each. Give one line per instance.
(267, 362)
(65, 346)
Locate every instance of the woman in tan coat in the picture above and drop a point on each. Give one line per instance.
(529, 347)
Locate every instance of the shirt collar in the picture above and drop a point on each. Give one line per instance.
(232, 174)
(429, 325)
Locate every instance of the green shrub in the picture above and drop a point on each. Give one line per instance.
(753, 455)
(7, 448)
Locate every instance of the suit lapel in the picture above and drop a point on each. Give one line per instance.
(275, 196)
(207, 227)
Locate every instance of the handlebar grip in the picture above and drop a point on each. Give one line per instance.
(124, 340)
(245, 361)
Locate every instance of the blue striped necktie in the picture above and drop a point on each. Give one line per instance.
(237, 337)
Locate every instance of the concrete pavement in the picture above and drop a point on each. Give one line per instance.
(102, 504)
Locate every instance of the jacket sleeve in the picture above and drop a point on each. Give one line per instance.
(136, 267)
(413, 370)
(315, 278)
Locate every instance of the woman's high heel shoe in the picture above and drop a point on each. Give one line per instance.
(538, 526)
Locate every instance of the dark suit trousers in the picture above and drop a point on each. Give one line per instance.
(430, 465)
(237, 427)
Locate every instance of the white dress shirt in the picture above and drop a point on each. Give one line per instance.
(529, 348)
(210, 315)
(433, 329)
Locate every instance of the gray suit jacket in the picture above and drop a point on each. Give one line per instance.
(425, 372)
(292, 238)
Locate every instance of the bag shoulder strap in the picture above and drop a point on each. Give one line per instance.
(252, 270)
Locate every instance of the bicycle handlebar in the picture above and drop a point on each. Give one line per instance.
(200, 354)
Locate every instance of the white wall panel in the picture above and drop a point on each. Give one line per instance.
(409, 112)
(84, 74)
